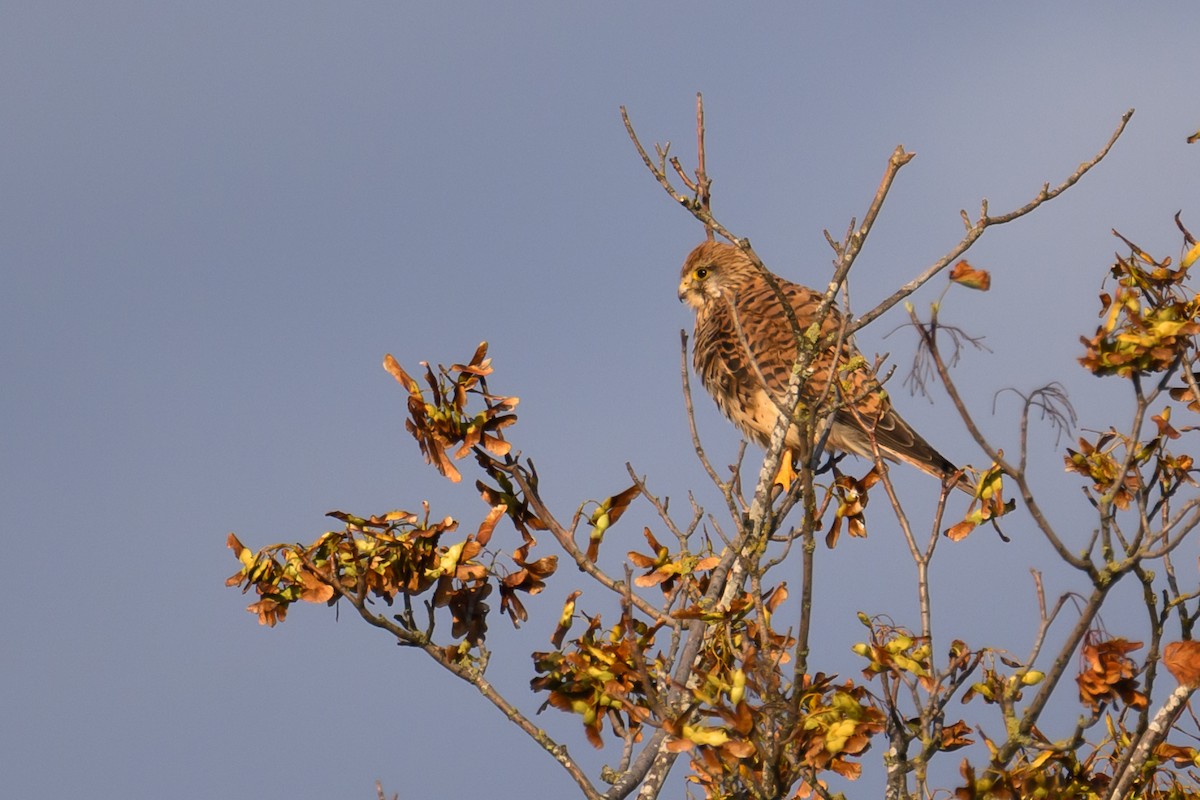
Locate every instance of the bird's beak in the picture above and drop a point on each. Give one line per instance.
(683, 289)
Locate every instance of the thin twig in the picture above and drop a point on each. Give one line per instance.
(475, 677)
(985, 221)
(566, 541)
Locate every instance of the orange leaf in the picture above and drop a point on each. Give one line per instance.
(960, 531)
(315, 590)
(477, 366)
(397, 372)
(679, 745)
(738, 748)
(484, 534)
(1182, 660)
(270, 612)
(776, 597)
(963, 273)
(640, 561)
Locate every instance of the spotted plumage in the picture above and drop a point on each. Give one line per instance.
(747, 370)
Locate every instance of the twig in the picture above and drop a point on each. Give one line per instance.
(475, 677)
(567, 541)
(993, 453)
(985, 221)
(725, 487)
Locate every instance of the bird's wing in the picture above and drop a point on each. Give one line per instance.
(771, 337)
(865, 409)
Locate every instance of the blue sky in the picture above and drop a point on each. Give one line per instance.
(217, 218)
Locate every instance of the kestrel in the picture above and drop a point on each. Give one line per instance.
(745, 347)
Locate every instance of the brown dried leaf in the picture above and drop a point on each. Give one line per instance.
(477, 366)
(270, 611)
(1181, 756)
(484, 534)
(1109, 674)
(960, 531)
(314, 590)
(775, 598)
(618, 503)
(640, 561)
(956, 736)
(1163, 421)
(234, 544)
(1182, 660)
(738, 748)
(402, 377)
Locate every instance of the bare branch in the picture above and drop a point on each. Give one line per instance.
(475, 677)
(983, 222)
(994, 454)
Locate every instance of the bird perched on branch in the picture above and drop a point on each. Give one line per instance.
(745, 347)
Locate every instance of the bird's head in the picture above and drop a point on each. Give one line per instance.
(710, 270)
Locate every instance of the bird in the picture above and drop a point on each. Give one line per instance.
(744, 349)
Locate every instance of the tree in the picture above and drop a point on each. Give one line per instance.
(704, 655)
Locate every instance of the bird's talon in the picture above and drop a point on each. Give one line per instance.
(786, 475)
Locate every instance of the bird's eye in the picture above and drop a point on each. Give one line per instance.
(701, 273)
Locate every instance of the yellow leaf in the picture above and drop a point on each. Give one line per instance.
(838, 734)
(1191, 256)
(712, 737)
(739, 687)
(450, 560)
(568, 611)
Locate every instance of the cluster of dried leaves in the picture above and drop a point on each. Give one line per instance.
(441, 421)
(1050, 770)
(1047, 769)
(1150, 323)
(741, 718)
(823, 727)
(752, 723)
(1149, 319)
(601, 675)
(383, 557)
(402, 554)
(1109, 674)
